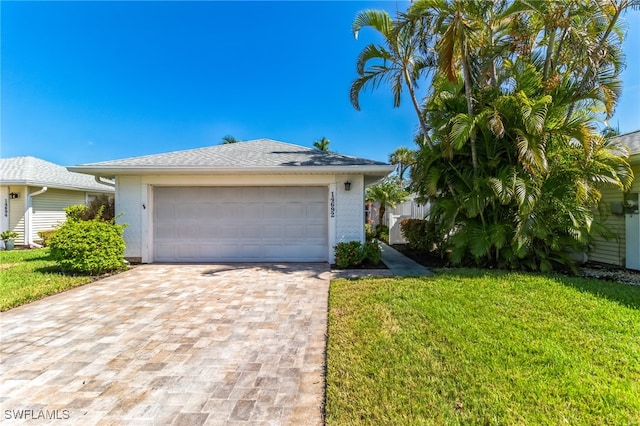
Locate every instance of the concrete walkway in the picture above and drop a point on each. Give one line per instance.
(171, 345)
(400, 265)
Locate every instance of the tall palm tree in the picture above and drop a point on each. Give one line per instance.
(229, 139)
(322, 144)
(397, 62)
(403, 158)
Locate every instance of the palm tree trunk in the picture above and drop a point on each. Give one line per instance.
(468, 94)
(381, 212)
(416, 106)
(547, 60)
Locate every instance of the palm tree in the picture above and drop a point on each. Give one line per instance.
(403, 158)
(229, 139)
(322, 144)
(386, 193)
(398, 62)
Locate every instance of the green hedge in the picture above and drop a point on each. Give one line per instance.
(88, 247)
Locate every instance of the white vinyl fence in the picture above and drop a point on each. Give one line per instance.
(408, 210)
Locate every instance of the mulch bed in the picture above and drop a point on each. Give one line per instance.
(588, 270)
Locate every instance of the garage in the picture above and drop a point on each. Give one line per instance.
(252, 201)
(240, 224)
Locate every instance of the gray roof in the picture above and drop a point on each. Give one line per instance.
(632, 141)
(33, 171)
(260, 155)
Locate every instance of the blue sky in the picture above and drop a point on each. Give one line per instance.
(93, 81)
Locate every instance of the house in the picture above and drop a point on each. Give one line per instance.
(35, 192)
(623, 219)
(259, 200)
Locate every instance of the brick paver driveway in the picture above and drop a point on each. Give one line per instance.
(172, 344)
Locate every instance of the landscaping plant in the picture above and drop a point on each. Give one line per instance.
(88, 246)
(350, 254)
(510, 150)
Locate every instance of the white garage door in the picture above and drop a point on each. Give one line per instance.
(233, 224)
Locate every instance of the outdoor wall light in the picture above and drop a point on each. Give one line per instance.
(14, 195)
(347, 186)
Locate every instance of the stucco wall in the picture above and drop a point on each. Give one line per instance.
(350, 209)
(129, 208)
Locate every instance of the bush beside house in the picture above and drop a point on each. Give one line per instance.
(90, 246)
(352, 254)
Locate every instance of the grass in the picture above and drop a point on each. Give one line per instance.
(28, 275)
(483, 347)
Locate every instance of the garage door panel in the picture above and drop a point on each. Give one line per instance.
(240, 224)
(250, 231)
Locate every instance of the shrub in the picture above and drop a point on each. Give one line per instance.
(353, 253)
(349, 254)
(382, 233)
(88, 247)
(102, 207)
(46, 236)
(414, 231)
(424, 236)
(372, 252)
(369, 232)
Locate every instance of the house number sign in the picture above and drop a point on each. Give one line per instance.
(333, 205)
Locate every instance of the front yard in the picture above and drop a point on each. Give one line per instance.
(482, 347)
(28, 275)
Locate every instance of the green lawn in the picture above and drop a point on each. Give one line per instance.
(478, 347)
(28, 275)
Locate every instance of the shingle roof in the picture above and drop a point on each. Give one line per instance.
(259, 154)
(632, 140)
(36, 172)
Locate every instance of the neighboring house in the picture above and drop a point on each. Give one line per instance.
(624, 218)
(253, 201)
(35, 192)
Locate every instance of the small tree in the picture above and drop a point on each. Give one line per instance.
(322, 144)
(228, 139)
(386, 193)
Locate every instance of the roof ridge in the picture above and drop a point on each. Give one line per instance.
(628, 133)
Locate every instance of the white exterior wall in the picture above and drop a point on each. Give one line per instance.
(613, 252)
(129, 210)
(134, 200)
(350, 209)
(610, 251)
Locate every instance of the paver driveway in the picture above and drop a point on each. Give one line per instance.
(172, 344)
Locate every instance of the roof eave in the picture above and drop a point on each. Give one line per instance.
(56, 186)
(371, 170)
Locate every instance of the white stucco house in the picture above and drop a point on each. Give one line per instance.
(253, 201)
(35, 192)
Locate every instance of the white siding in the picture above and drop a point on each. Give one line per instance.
(16, 212)
(48, 209)
(613, 251)
(610, 251)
